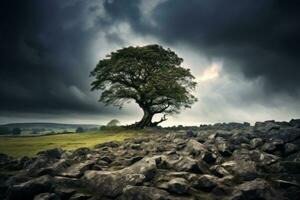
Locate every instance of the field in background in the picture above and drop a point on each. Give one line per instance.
(29, 145)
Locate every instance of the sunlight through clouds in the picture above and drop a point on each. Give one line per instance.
(211, 72)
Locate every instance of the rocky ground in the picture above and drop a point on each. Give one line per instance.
(251, 162)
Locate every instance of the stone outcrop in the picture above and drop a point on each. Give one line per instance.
(235, 162)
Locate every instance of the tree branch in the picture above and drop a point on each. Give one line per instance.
(162, 110)
(158, 122)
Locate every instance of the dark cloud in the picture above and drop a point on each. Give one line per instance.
(122, 9)
(261, 38)
(44, 62)
(46, 46)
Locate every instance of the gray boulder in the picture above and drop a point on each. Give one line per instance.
(78, 169)
(52, 153)
(205, 183)
(53, 169)
(295, 123)
(256, 142)
(239, 139)
(285, 133)
(187, 164)
(209, 157)
(31, 188)
(143, 193)
(146, 167)
(219, 171)
(224, 148)
(80, 152)
(112, 183)
(253, 190)
(64, 192)
(263, 127)
(290, 148)
(269, 147)
(195, 148)
(263, 159)
(46, 196)
(243, 169)
(112, 144)
(175, 185)
(80, 196)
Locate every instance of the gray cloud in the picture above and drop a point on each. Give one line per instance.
(258, 37)
(44, 58)
(48, 49)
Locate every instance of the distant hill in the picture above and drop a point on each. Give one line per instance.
(42, 127)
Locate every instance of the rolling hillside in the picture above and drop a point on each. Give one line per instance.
(28, 128)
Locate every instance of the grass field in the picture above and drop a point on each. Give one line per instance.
(30, 145)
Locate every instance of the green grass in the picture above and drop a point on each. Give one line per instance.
(29, 145)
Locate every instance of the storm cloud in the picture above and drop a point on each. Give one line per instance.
(44, 57)
(261, 38)
(244, 54)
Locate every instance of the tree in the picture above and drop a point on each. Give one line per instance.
(113, 122)
(16, 131)
(4, 130)
(150, 75)
(79, 130)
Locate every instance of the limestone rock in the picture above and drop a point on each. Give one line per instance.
(143, 193)
(206, 183)
(46, 196)
(252, 190)
(77, 170)
(188, 164)
(110, 184)
(194, 147)
(176, 185)
(52, 153)
(221, 161)
(29, 189)
(80, 196)
(256, 142)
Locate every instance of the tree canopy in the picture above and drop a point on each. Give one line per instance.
(16, 131)
(79, 130)
(113, 122)
(150, 75)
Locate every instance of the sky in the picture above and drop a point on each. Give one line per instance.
(245, 56)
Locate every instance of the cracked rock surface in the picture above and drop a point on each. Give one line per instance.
(222, 162)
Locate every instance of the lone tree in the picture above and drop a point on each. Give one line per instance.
(149, 75)
(113, 122)
(79, 130)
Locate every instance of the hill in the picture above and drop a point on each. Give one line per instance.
(43, 127)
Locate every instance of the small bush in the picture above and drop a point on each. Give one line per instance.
(79, 130)
(16, 131)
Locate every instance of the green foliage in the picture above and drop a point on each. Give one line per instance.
(79, 130)
(5, 130)
(149, 75)
(16, 131)
(113, 122)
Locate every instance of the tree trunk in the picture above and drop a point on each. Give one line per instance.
(146, 120)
